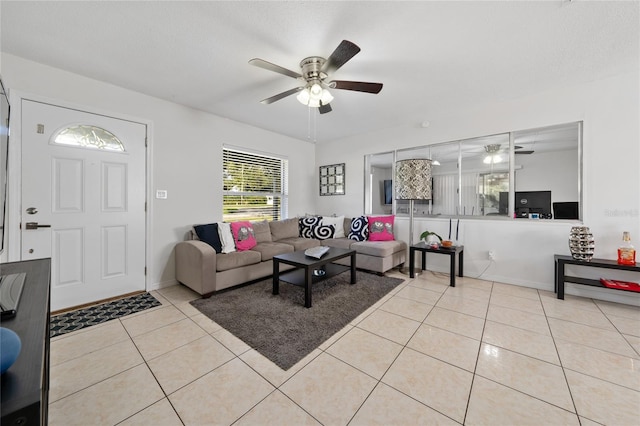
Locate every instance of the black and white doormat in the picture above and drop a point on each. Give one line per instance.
(76, 320)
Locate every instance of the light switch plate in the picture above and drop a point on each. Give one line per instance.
(161, 194)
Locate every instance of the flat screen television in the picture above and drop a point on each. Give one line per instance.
(388, 191)
(528, 202)
(4, 154)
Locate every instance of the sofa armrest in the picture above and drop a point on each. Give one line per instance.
(196, 266)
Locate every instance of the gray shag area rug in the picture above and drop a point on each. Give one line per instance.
(280, 327)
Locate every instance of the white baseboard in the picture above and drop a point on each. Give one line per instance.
(605, 294)
(162, 284)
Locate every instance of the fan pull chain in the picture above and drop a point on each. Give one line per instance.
(315, 125)
(309, 125)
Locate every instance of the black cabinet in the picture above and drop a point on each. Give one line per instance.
(24, 389)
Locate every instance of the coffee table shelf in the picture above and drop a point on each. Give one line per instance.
(297, 276)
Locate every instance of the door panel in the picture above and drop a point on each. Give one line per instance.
(114, 191)
(93, 199)
(68, 257)
(67, 185)
(114, 251)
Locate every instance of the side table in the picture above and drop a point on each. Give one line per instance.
(450, 251)
(560, 277)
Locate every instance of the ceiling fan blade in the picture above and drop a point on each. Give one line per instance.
(345, 51)
(279, 96)
(358, 86)
(524, 152)
(261, 63)
(325, 108)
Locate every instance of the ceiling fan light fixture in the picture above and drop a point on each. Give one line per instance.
(492, 159)
(314, 95)
(326, 97)
(315, 91)
(492, 154)
(304, 96)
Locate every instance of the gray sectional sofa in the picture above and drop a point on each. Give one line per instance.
(200, 268)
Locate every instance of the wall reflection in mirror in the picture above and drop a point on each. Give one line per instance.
(524, 174)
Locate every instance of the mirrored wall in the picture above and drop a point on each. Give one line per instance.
(524, 174)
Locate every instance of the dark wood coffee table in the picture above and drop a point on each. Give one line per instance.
(303, 274)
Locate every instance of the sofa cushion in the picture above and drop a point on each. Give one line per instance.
(300, 243)
(228, 245)
(243, 235)
(209, 234)
(381, 228)
(224, 262)
(338, 222)
(284, 228)
(306, 225)
(343, 243)
(262, 231)
(269, 249)
(378, 248)
(359, 229)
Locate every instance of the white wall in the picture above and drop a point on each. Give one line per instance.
(186, 147)
(525, 249)
(554, 171)
(378, 176)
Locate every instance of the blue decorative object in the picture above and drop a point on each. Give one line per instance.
(10, 346)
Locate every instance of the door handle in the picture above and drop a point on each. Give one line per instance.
(35, 225)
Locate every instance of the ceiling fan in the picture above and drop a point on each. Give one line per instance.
(313, 76)
(519, 150)
(493, 153)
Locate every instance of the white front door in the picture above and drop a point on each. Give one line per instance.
(83, 206)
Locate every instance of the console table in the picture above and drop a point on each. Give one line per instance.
(561, 277)
(451, 251)
(24, 392)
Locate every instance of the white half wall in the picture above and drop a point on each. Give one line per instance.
(186, 153)
(610, 109)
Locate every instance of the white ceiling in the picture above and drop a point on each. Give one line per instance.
(431, 56)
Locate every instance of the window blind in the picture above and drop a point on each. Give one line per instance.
(254, 186)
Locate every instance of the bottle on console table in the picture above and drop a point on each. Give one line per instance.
(626, 252)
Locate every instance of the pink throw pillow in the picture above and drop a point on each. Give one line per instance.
(381, 228)
(243, 235)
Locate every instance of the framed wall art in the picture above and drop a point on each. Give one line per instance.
(332, 179)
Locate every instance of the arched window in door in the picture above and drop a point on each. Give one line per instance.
(88, 136)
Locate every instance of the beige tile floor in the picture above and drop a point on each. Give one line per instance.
(480, 353)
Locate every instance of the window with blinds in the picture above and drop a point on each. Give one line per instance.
(254, 186)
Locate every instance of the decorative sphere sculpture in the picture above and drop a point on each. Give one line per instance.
(10, 346)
